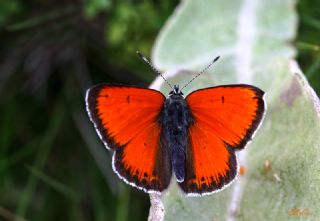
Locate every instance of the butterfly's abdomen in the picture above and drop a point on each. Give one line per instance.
(175, 122)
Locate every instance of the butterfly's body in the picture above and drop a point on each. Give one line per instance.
(175, 120)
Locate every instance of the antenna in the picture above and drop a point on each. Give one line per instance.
(201, 72)
(152, 67)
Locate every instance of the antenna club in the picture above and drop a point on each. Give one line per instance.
(217, 58)
(140, 54)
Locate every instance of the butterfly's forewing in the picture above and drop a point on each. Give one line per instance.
(225, 119)
(126, 118)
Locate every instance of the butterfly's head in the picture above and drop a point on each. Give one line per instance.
(176, 91)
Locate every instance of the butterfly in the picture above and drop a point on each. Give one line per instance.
(194, 137)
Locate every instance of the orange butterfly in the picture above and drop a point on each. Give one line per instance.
(194, 137)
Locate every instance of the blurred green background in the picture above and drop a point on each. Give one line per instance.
(52, 164)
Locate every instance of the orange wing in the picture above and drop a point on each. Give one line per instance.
(225, 119)
(126, 119)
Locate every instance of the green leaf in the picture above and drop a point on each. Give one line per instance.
(93, 7)
(7, 9)
(282, 179)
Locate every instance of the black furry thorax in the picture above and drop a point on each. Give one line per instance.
(175, 120)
